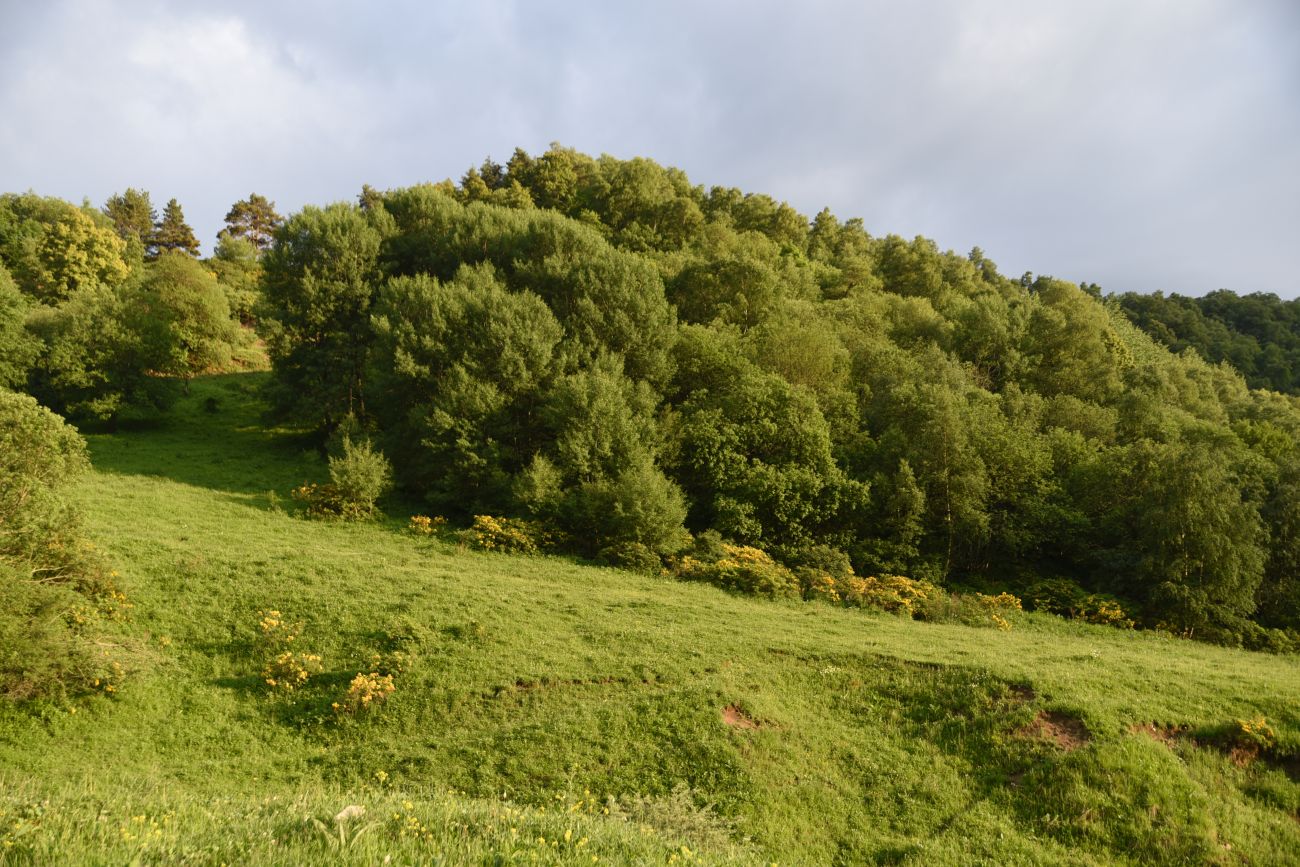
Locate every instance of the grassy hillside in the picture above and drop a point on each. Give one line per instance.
(538, 693)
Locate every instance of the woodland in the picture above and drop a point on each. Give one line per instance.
(631, 365)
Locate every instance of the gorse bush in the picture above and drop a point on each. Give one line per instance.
(744, 569)
(507, 535)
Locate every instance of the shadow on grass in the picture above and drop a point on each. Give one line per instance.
(215, 437)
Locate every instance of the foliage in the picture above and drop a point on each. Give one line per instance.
(507, 535)
(54, 585)
(53, 248)
(172, 233)
(742, 568)
(360, 475)
(253, 220)
(365, 692)
(186, 300)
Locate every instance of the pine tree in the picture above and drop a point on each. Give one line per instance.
(173, 233)
(253, 218)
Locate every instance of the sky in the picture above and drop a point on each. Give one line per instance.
(1139, 144)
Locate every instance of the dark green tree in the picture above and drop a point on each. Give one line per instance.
(173, 233)
(253, 219)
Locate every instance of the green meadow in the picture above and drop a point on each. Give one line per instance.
(546, 710)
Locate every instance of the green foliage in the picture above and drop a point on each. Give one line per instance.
(172, 233)
(186, 300)
(19, 348)
(239, 271)
(50, 577)
(361, 475)
(253, 220)
(744, 569)
(456, 372)
(53, 248)
(100, 349)
(319, 281)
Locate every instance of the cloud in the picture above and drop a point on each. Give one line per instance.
(1141, 146)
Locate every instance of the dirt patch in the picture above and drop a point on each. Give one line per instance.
(1065, 731)
(1166, 734)
(737, 718)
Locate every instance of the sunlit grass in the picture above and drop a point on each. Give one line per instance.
(873, 738)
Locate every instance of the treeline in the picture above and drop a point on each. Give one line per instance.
(1258, 334)
(643, 367)
(630, 359)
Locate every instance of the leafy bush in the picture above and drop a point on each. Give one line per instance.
(361, 475)
(366, 691)
(423, 525)
(54, 588)
(971, 609)
(633, 556)
(1064, 597)
(742, 568)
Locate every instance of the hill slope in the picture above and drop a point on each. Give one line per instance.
(817, 734)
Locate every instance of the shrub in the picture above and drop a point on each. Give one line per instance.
(742, 568)
(423, 525)
(633, 556)
(54, 587)
(366, 691)
(289, 670)
(509, 535)
(971, 609)
(361, 475)
(1064, 597)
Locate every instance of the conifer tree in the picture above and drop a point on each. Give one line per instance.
(173, 233)
(253, 218)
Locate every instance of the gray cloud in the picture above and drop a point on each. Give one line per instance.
(1143, 146)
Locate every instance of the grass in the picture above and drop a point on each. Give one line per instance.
(541, 692)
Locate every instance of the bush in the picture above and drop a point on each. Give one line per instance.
(361, 475)
(509, 535)
(971, 609)
(745, 569)
(358, 477)
(1064, 597)
(54, 588)
(633, 556)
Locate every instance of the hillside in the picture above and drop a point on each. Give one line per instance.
(534, 690)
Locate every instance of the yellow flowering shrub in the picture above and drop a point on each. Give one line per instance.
(364, 692)
(742, 568)
(509, 535)
(423, 525)
(288, 670)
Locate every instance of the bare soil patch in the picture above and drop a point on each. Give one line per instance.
(1065, 731)
(737, 718)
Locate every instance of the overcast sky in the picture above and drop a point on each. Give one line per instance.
(1139, 144)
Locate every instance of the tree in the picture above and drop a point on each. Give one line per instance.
(133, 217)
(19, 349)
(455, 380)
(320, 276)
(186, 299)
(173, 233)
(254, 219)
(53, 248)
(238, 269)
